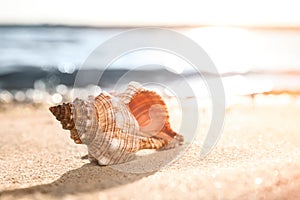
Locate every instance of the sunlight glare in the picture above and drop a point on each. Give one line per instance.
(228, 47)
(154, 57)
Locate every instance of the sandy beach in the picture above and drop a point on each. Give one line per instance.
(257, 157)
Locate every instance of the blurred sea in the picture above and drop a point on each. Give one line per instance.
(39, 61)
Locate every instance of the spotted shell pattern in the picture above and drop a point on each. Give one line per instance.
(115, 127)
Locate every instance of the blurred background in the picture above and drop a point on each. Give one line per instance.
(255, 44)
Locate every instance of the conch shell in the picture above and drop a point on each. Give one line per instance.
(115, 127)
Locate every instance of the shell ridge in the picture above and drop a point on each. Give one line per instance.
(105, 119)
(102, 118)
(85, 120)
(132, 88)
(95, 148)
(111, 129)
(114, 130)
(126, 129)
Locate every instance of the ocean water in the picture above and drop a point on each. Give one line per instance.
(47, 58)
(231, 49)
(42, 46)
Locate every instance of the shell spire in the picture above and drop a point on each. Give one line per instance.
(64, 114)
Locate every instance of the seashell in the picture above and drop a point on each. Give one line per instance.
(115, 126)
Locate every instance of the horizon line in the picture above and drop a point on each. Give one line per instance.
(253, 27)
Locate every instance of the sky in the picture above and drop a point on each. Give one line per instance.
(272, 13)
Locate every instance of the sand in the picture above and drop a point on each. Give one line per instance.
(257, 157)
